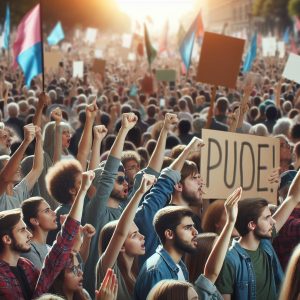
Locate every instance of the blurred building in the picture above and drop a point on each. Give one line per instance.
(229, 16)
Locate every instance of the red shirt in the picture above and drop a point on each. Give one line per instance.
(288, 238)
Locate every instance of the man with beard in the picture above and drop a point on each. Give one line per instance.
(251, 269)
(5, 140)
(179, 182)
(175, 229)
(19, 278)
(112, 190)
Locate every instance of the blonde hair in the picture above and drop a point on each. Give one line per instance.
(291, 285)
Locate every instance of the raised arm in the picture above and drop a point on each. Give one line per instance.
(216, 258)
(128, 121)
(194, 145)
(56, 114)
(110, 255)
(38, 161)
(211, 107)
(244, 104)
(100, 132)
(85, 142)
(157, 157)
(44, 100)
(8, 172)
(288, 205)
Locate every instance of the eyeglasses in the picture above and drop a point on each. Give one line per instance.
(76, 270)
(120, 179)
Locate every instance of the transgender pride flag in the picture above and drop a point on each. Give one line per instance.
(28, 45)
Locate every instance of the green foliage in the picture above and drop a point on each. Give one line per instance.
(294, 8)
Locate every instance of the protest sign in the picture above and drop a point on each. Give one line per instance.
(269, 46)
(78, 69)
(281, 49)
(147, 84)
(99, 67)
(126, 40)
(90, 35)
(166, 75)
(52, 60)
(98, 53)
(230, 160)
(292, 67)
(220, 59)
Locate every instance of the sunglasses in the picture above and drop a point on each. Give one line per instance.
(120, 179)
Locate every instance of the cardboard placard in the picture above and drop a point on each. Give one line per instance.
(230, 160)
(147, 84)
(281, 49)
(220, 59)
(52, 60)
(126, 40)
(292, 67)
(90, 35)
(78, 69)
(269, 46)
(166, 75)
(99, 66)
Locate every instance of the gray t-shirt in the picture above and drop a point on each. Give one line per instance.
(37, 254)
(123, 293)
(20, 193)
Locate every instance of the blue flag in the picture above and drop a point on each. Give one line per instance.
(286, 36)
(251, 54)
(187, 44)
(56, 35)
(6, 29)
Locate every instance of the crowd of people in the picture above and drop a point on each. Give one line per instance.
(101, 195)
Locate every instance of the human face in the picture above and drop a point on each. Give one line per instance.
(192, 294)
(131, 168)
(120, 190)
(46, 217)
(192, 189)
(66, 138)
(5, 142)
(285, 150)
(21, 238)
(185, 236)
(135, 242)
(265, 224)
(73, 277)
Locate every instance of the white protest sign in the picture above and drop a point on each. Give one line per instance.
(269, 46)
(126, 40)
(98, 53)
(230, 160)
(78, 69)
(90, 35)
(281, 49)
(131, 56)
(292, 67)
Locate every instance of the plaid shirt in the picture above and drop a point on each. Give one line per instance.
(57, 257)
(39, 282)
(288, 238)
(10, 288)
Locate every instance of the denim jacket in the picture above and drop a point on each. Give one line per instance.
(157, 198)
(158, 267)
(245, 280)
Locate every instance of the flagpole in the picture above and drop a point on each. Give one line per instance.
(42, 45)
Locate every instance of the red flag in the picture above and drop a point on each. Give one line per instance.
(200, 27)
(163, 41)
(140, 49)
(293, 48)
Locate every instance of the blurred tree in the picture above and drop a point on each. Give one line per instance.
(294, 8)
(275, 12)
